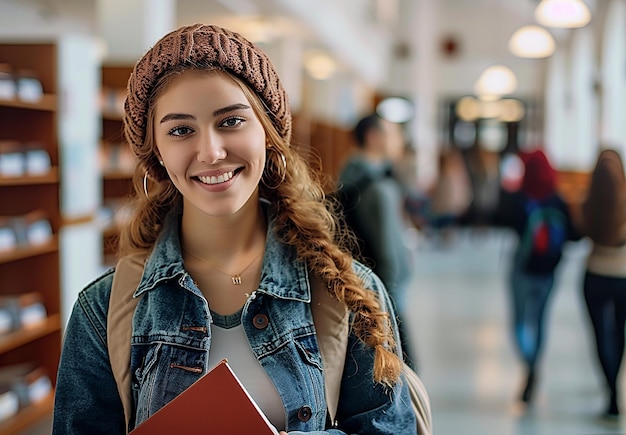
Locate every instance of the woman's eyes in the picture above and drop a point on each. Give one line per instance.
(231, 122)
(183, 130)
(180, 131)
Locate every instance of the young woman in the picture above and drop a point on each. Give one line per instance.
(604, 223)
(237, 231)
(543, 223)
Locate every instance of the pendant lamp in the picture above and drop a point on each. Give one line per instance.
(562, 13)
(532, 42)
(494, 82)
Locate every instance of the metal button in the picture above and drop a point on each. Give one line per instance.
(260, 321)
(304, 414)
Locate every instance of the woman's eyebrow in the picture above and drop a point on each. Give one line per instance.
(175, 116)
(231, 108)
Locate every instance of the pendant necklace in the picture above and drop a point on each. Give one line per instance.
(235, 278)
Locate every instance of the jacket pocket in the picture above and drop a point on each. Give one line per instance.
(167, 371)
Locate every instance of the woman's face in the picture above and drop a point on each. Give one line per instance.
(210, 141)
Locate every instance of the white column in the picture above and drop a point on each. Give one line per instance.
(612, 125)
(81, 189)
(130, 27)
(584, 147)
(418, 74)
(558, 134)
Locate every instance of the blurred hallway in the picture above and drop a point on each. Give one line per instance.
(465, 352)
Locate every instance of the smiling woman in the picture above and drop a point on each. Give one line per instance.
(235, 239)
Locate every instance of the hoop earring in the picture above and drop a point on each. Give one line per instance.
(145, 184)
(279, 170)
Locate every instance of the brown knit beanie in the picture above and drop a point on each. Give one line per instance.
(203, 45)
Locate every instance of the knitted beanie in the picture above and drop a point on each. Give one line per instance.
(209, 47)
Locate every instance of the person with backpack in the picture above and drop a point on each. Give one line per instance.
(604, 286)
(543, 224)
(373, 201)
(231, 240)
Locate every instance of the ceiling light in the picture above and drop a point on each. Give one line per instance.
(319, 64)
(562, 13)
(532, 42)
(468, 109)
(396, 109)
(511, 110)
(494, 82)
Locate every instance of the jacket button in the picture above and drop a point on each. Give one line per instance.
(260, 321)
(304, 414)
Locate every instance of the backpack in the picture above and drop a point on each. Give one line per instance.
(543, 237)
(331, 322)
(348, 196)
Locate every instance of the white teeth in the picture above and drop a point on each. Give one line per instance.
(216, 180)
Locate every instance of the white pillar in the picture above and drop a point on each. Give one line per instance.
(612, 125)
(584, 148)
(419, 23)
(130, 27)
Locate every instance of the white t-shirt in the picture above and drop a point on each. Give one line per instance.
(231, 343)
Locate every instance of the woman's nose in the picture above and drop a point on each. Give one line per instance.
(211, 149)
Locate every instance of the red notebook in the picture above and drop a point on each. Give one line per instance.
(216, 403)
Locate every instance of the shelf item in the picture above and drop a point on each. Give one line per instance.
(29, 381)
(29, 87)
(21, 312)
(30, 229)
(25, 417)
(8, 89)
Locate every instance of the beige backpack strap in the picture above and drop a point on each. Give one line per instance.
(331, 323)
(128, 273)
(419, 401)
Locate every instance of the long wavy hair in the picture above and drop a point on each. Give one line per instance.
(604, 208)
(304, 218)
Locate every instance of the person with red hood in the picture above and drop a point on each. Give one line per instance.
(542, 221)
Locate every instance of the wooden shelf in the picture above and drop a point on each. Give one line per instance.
(29, 251)
(112, 174)
(47, 103)
(112, 116)
(13, 340)
(50, 178)
(28, 416)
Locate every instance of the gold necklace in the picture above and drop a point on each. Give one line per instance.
(236, 277)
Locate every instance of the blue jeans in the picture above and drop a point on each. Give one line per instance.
(529, 296)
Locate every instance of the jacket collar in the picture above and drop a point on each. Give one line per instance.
(283, 276)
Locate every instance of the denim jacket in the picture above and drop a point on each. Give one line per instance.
(171, 342)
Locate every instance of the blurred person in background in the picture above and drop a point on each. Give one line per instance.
(542, 221)
(604, 285)
(451, 196)
(374, 206)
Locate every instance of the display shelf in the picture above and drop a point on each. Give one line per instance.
(116, 174)
(51, 177)
(33, 268)
(48, 102)
(118, 162)
(28, 416)
(15, 339)
(26, 252)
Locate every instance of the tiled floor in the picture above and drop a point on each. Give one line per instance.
(465, 352)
